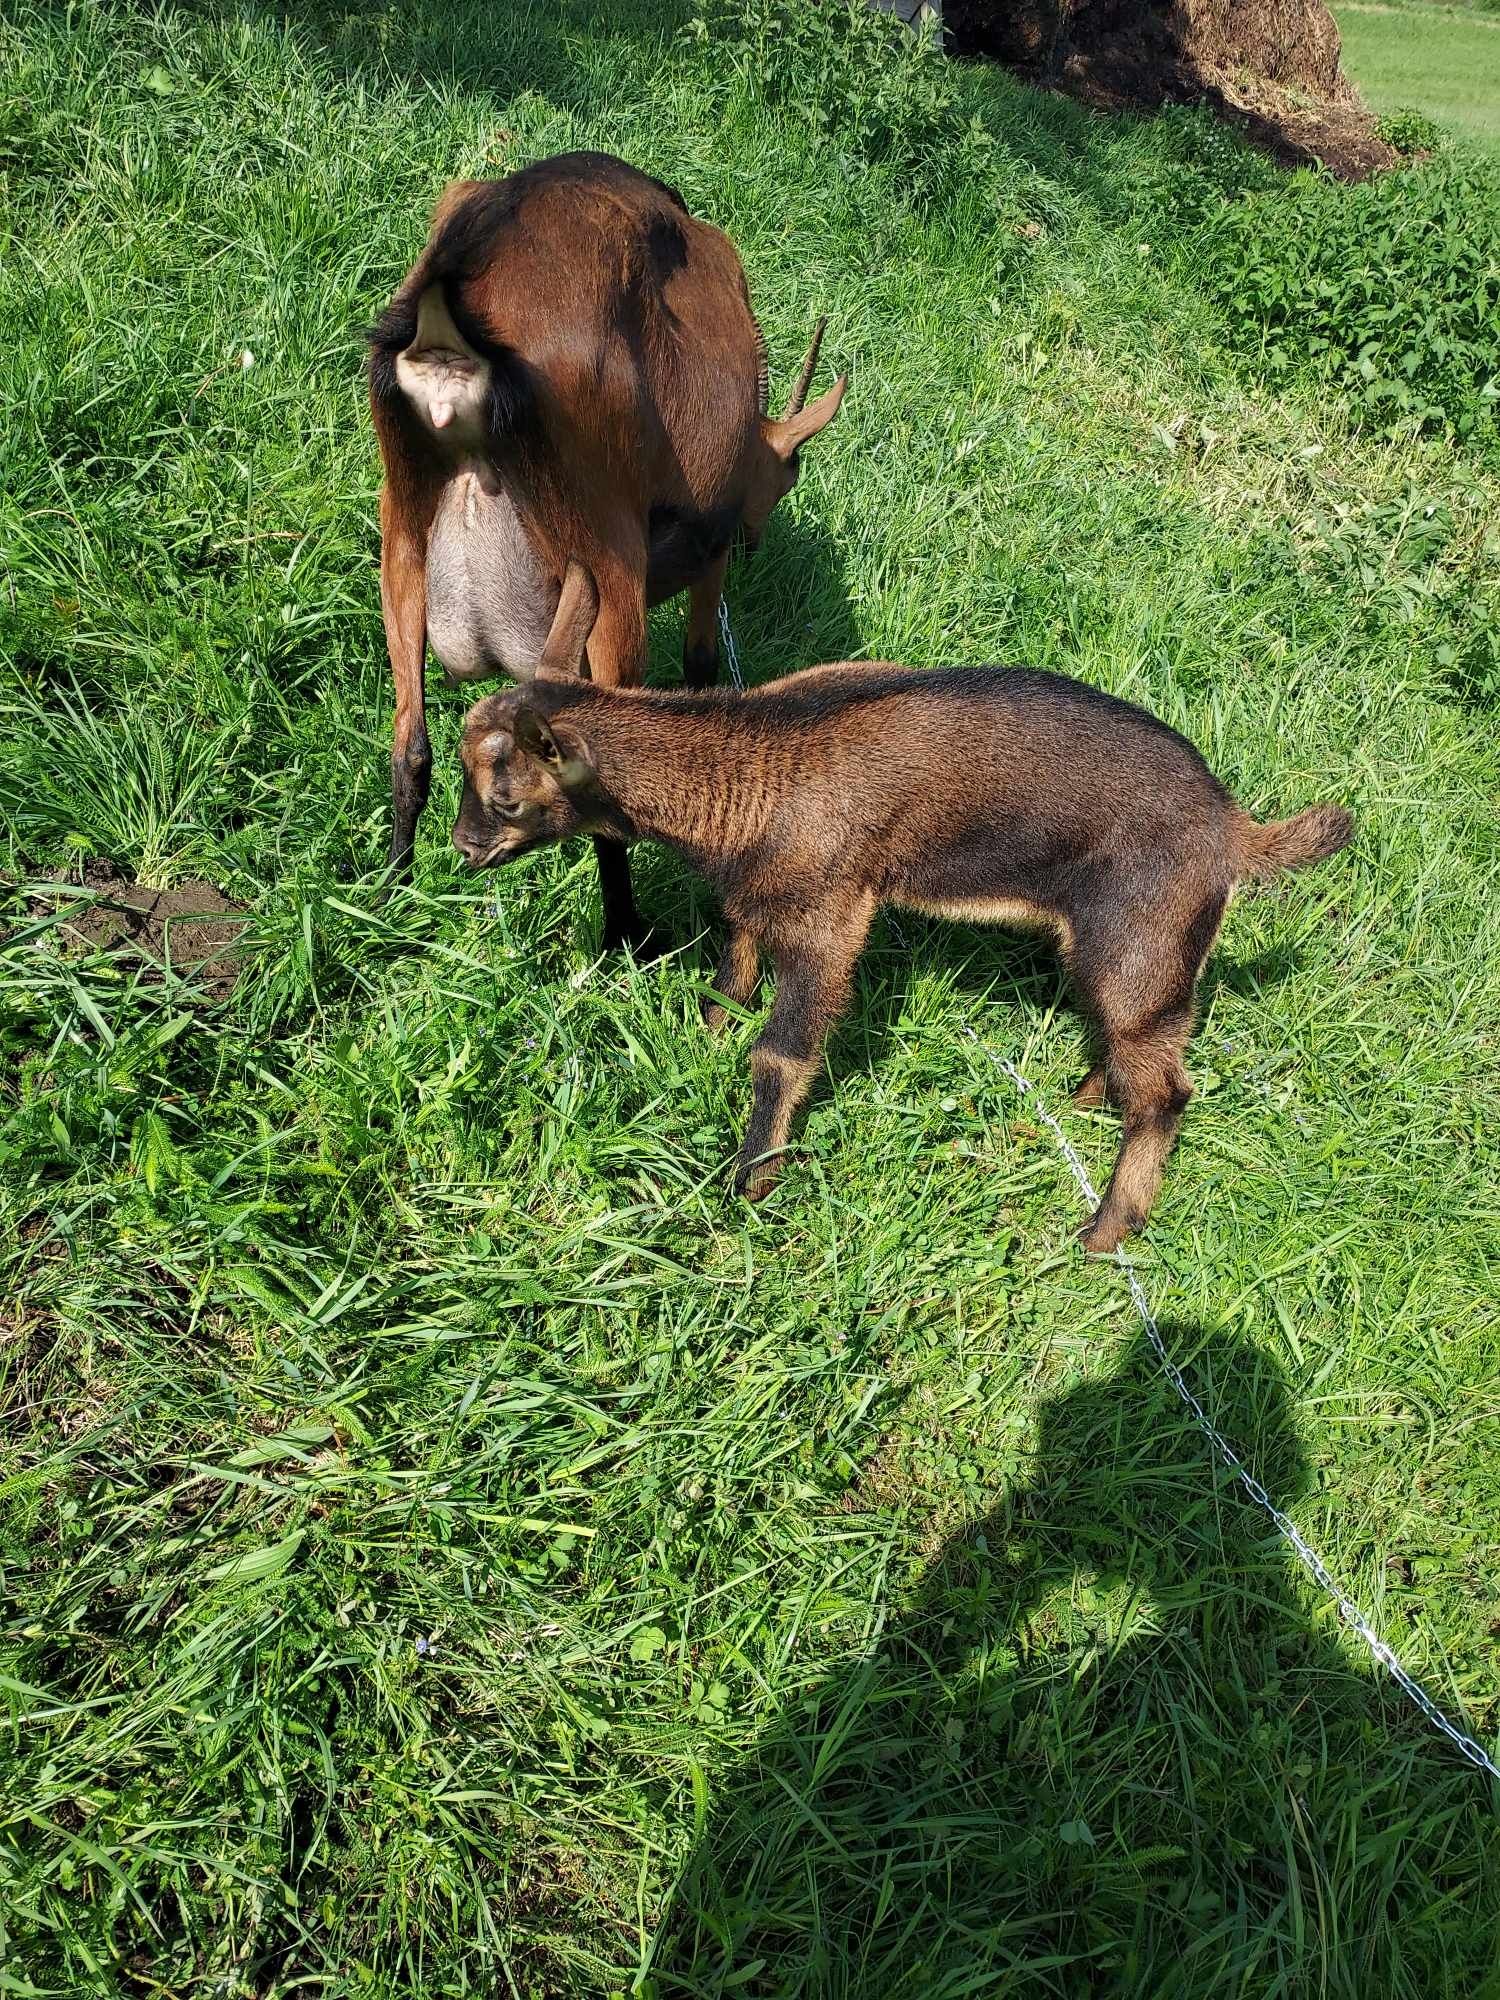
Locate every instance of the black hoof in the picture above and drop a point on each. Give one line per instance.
(645, 942)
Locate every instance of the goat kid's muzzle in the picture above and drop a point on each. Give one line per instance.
(491, 854)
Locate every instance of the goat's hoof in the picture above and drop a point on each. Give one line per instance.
(1103, 1233)
(755, 1182)
(715, 1017)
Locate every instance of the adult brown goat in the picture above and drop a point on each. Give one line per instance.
(571, 370)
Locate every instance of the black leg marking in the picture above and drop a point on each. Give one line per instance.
(411, 779)
(700, 666)
(622, 920)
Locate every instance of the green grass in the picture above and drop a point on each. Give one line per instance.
(1440, 60)
(451, 1547)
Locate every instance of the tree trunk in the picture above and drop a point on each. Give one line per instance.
(1271, 66)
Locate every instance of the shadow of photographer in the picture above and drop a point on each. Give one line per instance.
(1102, 1751)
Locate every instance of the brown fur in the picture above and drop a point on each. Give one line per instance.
(573, 340)
(975, 792)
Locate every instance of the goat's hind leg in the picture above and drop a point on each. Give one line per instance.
(700, 647)
(1138, 975)
(1093, 1090)
(1147, 1077)
(403, 605)
(737, 977)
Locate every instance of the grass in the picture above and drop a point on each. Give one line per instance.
(449, 1546)
(1444, 61)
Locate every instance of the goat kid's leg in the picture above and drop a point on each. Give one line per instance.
(814, 978)
(1092, 1090)
(403, 605)
(700, 648)
(1137, 973)
(737, 977)
(1147, 1076)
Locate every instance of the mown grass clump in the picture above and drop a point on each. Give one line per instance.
(449, 1547)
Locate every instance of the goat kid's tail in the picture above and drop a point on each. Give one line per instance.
(1264, 851)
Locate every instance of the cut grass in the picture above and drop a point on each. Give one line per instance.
(1443, 61)
(450, 1546)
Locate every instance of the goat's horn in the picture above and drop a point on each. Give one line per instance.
(809, 369)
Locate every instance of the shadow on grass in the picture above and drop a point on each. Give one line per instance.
(1101, 1751)
(996, 972)
(554, 47)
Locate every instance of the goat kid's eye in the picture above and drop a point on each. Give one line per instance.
(510, 811)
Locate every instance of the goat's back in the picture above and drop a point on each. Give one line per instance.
(869, 773)
(996, 733)
(622, 322)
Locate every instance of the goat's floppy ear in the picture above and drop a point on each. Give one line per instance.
(561, 755)
(577, 609)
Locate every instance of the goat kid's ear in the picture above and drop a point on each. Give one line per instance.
(785, 434)
(566, 761)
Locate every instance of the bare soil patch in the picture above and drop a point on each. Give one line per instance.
(193, 928)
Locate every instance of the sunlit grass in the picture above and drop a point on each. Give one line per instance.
(450, 1546)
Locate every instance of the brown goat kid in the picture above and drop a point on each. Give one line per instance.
(985, 794)
(571, 368)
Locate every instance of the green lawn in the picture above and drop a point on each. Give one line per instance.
(449, 1545)
(1440, 60)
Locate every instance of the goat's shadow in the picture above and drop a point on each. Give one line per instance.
(1001, 976)
(1101, 1751)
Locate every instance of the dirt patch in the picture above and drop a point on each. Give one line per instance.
(193, 928)
(1271, 67)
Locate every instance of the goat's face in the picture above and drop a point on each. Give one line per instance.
(527, 782)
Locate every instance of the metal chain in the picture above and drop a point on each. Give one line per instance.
(1290, 1533)
(731, 650)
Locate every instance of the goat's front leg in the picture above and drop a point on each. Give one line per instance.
(403, 606)
(814, 978)
(700, 647)
(737, 977)
(617, 658)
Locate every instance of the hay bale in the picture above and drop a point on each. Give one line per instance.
(1270, 66)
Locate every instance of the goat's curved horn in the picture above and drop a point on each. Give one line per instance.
(809, 369)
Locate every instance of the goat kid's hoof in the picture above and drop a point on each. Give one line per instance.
(715, 1017)
(754, 1183)
(1104, 1233)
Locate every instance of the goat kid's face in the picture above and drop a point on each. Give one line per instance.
(527, 782)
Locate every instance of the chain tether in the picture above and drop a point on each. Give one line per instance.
(1290, 1533)
(731, 650)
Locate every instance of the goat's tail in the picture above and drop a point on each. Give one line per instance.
(436, 305)
(1264, 851)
